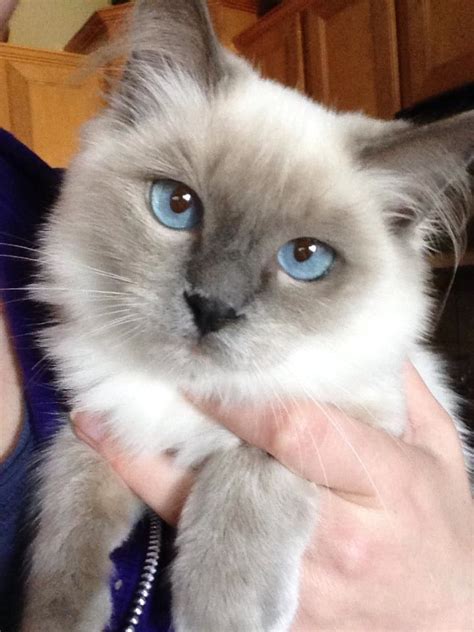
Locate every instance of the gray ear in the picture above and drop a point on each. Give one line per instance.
(169, 36)
(407, 148)
(429, 167)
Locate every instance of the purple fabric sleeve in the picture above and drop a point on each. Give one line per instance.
(13, 491)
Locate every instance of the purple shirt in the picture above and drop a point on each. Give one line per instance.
(28, 187)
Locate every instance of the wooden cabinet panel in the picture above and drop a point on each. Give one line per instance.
(436, 42)
(341, 52)
(231, 18)
(344, 53)
(43, 103)
(275, 47)
(102, 26)
(350, 49)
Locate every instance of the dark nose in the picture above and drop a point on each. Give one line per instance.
(210, 314)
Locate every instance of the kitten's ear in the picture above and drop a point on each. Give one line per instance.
(428, 169)
(166, 37)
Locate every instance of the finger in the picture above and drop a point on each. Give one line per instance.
(321, 444)
(158, 481)
(429, 424)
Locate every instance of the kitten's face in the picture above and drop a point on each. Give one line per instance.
(299, 223)
(265, 172)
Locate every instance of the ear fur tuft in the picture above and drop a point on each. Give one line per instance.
(168, 37)
(426, 174)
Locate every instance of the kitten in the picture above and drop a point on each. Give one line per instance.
(223, 235)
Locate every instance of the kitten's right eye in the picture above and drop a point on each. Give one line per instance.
(175, 205)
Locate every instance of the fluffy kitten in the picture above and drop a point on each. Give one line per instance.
(291, 263)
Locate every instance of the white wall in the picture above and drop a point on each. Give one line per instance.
(50, 23)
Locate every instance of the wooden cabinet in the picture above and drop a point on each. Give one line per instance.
(350, 50)
(376, 56)
(436, 46)
(102, 26)
(46, 96)
(231, 17)
(43, 100)
(274, 45)
(340, 52)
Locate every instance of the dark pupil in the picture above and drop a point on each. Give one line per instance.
(181, 200)
(304, 249)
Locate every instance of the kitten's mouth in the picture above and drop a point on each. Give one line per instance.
(196, 350)
(205, 348)
(207, 353)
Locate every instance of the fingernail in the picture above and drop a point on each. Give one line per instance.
(88, 427)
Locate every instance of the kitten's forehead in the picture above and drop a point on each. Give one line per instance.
(273, 150)
(250, 125)
(280, 119)
(253, 149)
(261, 128)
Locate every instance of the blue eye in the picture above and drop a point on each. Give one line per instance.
(175, 205)
(306, 259)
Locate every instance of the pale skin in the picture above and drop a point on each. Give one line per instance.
(10, 393)
(394, 548)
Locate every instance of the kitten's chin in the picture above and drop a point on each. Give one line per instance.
(207, 359)
(189, 359)
(179, 359)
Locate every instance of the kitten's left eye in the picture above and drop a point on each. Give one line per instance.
(175, 205)
(306, 259)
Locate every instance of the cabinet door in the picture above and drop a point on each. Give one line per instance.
(231, 17)
(274, 45)
(436, 40)
(343, 53)
(350, 52)
(43, 100)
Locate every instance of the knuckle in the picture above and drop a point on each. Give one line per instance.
(356, 556)
(281, 437)
(280, 433)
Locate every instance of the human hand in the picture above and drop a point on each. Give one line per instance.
(393, 549)
(157, 480)
(11, 396)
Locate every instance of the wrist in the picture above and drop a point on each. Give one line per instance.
(10, 393)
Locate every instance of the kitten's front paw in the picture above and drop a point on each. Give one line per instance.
(240, 541)
(235, 606)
